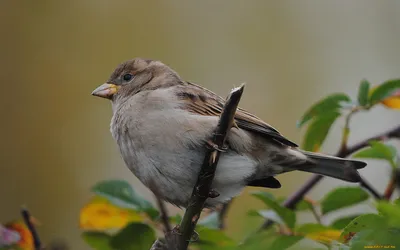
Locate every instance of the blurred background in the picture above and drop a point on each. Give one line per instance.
(56, 142)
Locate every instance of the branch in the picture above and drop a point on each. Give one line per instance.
(180, 236)
(390, 187)
(295, 198)
(390, 134)
(28, 222)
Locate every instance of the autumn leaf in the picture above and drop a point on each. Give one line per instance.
(325, 236)
(25, 241)
(393, 101)
(387, 94)
(363, 222)
(286, 215)
(318, 232)
(101, 214)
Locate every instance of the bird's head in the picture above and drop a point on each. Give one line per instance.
(134, 76)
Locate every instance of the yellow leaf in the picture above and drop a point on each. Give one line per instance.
(100, 214)
(392, 101)
(326, 236)
(316, 148)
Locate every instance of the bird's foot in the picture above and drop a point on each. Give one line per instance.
(212, 145)
(213, 193)
(176, 230)
(195, 237)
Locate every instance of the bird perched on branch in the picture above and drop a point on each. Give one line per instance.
(162, 123)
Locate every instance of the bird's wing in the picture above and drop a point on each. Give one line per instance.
(204, 102)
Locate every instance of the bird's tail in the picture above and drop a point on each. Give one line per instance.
(331, 166)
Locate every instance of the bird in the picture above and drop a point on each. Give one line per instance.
(162, 125)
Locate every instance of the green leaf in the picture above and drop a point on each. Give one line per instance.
(254, 241)
(319, 233)
(287, 215)
(363, 222)
(270, 240)
(211, 221)
(318, 130)
(391, 212)
(378, 150)
(283, 242)
(384, 90)
(363, 93)
(312, 228)
(301, 206)
(397, 202)
(384, 238)
(212, 246)
(213, 239)
(343, 222)
(342, 197)
(121, 193)
(304, 205)
(330, 104)
(134, 236)
(97, 240)
(150, 211)
(267, 214)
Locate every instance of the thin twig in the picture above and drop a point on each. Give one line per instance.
(390, 134)
(390, 187)
(315, 213)
(28, 222)
(366, 185)
(296, 197)
(346, 128)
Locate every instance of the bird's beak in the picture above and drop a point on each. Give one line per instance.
(106, 90)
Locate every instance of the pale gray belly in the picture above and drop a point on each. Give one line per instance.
(171, 171)
(165, 149)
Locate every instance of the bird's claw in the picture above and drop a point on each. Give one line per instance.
(176, 230)
(213, 193)
(195, 237)
(214, 146)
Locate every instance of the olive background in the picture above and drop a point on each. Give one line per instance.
(55, 141)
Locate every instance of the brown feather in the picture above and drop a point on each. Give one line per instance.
(202, 101)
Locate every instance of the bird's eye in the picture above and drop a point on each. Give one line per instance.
(127, 77)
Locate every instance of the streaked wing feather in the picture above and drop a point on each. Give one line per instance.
(204, 102)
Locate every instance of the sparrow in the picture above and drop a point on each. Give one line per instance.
(162, 123)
